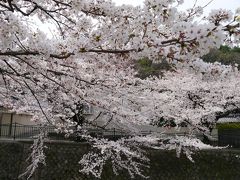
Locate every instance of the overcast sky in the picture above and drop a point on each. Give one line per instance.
(216, 4)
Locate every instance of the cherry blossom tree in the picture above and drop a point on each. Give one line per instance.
(87, 57)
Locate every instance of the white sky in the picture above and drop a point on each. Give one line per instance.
(216, 4)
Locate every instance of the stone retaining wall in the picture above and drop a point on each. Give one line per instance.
(62, 163)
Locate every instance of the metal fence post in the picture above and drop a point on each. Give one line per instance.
(10, 126)
(1, 115)
(114, 133)
(14, 131)
(0, 129)
(31, 132)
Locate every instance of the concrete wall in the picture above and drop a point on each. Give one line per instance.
(8, 120)
(18, 118)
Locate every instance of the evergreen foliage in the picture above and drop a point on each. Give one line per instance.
(225, 55)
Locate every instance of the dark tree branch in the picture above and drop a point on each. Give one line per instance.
(39, 104)
(6, 7)
(61, 3)
(25, 13)
(105, 125)
(99, 114)
(66, 55)
(20, 43)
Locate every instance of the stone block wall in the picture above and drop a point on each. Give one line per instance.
(62, 163)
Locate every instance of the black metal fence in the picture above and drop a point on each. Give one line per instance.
(20, 131)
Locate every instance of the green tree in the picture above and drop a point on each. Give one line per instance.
(225, 55)
(146, 68)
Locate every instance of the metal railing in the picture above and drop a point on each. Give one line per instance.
(20, 131)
